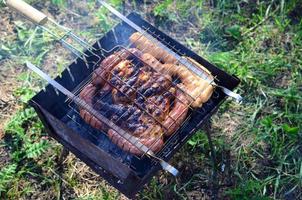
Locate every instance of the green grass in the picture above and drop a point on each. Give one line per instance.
(24, 138)
(253, 46)
(274, 120)
(258, 143)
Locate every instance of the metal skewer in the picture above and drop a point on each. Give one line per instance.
(179, 58)
(52, 27)
(134, 141)
(61, 32)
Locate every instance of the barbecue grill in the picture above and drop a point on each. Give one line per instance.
(60, 112)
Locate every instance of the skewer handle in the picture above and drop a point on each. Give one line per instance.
(28, 11)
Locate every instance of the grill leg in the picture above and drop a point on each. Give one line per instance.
(3, 104)
(64, 153)
(214, 181)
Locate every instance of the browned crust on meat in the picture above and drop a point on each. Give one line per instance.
(153, 136)
(178, 113)
(87, 94)
(199, 89)
(101, 73)
(147, 46)
(152, 142)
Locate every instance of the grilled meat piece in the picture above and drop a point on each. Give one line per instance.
(87, 95)
(147, 46)
(198, 88)
(153, 142)
(141, 101)
(177, 114)
(128, 117)
(99, 75)
(143, 86)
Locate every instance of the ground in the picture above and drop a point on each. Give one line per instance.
(257, 143)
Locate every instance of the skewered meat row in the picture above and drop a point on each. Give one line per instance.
(197, 88)
(147, 46)
(133, 88)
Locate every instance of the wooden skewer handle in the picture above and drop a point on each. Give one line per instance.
(28, 11)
